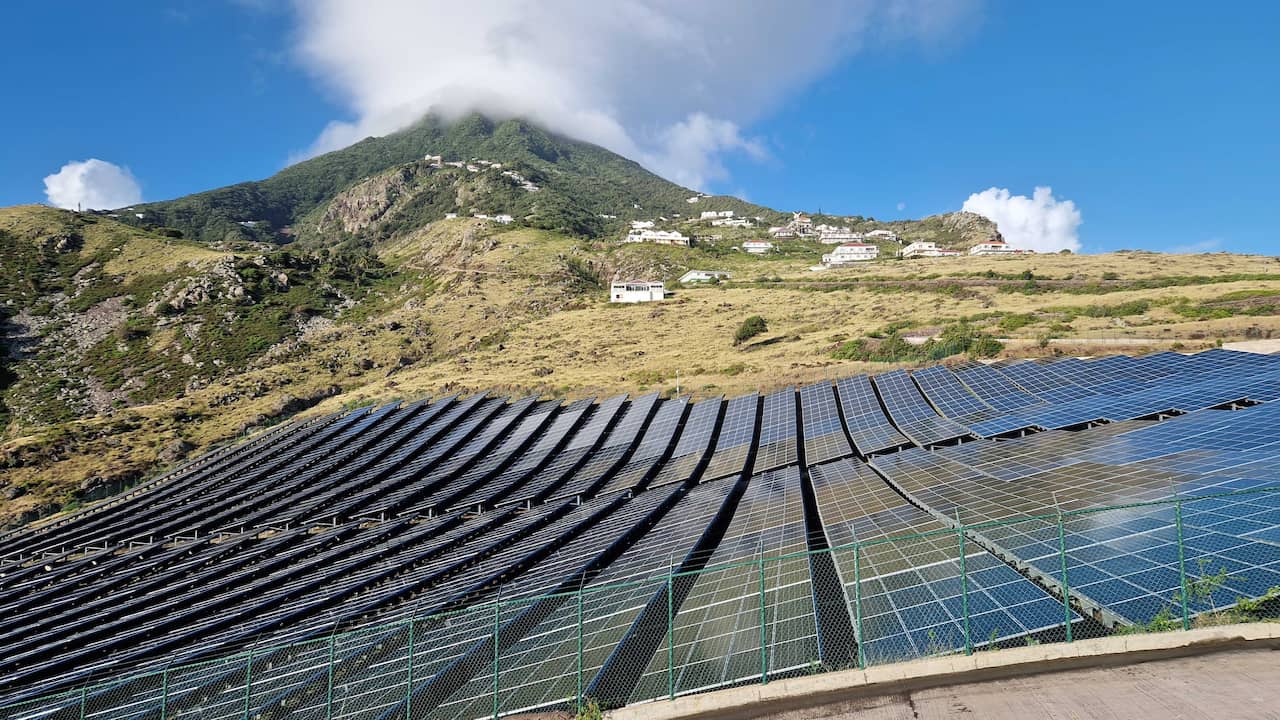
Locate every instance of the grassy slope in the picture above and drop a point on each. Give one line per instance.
(602, 348)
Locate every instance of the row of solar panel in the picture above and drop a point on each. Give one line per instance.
(525, 453)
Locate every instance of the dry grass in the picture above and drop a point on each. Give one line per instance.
(474, 310)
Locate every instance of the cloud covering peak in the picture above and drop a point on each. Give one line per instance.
(669, 83)
(92, 184)
(1041, 222)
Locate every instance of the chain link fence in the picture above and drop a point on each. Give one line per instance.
(1169, 565)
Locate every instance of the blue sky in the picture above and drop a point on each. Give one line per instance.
(1159, 121)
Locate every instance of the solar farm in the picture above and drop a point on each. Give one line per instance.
(470, 557)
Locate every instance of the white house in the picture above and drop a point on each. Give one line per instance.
(451, 216)
(641, 224)
(924, 248)
(802, 224)
(758, 247)
(851, 253)
(635, 291)
(882, 235)
(835, 237)
(733, 222)
(782, 232)
(661, 237)
(992, 247)
(697, 276)
(503, 219)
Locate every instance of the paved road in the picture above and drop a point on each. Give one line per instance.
(1227, 685)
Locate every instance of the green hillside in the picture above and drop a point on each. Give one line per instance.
(579, 182)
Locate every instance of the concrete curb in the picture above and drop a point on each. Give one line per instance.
(802, 692)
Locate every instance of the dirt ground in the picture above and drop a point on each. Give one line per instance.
(1237, 684)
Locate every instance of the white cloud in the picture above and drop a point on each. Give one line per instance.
(1204, 246)
(92, 184)
(669, 83)
(1041, 222)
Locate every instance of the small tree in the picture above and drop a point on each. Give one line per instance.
(749, 328)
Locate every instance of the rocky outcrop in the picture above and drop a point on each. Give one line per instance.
(360, 206)
(972, 227)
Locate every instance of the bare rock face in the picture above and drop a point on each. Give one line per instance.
(364, 203)
(221, 281)
(973, 227)
(174, 451)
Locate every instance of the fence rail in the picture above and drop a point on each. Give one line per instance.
(1169, 564)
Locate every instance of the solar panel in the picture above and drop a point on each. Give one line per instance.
(869, 428)
(733, 444)
(912, 413)
(613, 452)
(777, 444)
(661, 435)
(532, 670)
(909, 602)
(717, 629)
(995, 389)
(695, 442)
(368, 517)
(824, 437)
(568, 459)
(548, 442)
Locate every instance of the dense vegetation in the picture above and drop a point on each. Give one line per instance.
(955, 339)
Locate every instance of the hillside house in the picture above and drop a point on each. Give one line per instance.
(733, 222)
(838, 237)
(699, 276)
(636, 291)
(851, 253)
(801, 223)
(713, 214)
(992, 247)
(926, 249)
(641, 224)
(782, 233)
(882, 235)
(660, 237)
(758, 247)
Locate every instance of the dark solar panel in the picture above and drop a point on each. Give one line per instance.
(737, 433)
(824, 437)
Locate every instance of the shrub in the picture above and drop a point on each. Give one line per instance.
(1016, 321)
(750, 328)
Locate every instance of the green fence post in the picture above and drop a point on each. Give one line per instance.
(497, 623)
(764, 647)
(857, 604)
(1182, 565)
(579, 649)
(671, 646)
(248, 685)
(84, 698)
(964, 586)
(408, 690)
(1066, 589)
(328, 701)
(164, 693)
